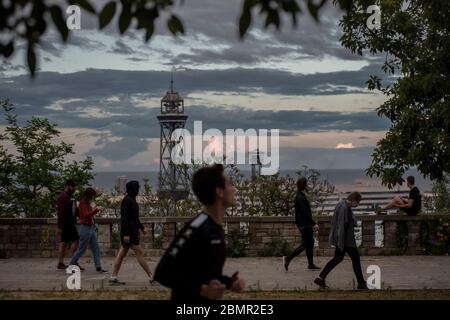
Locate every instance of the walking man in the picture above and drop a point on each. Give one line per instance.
(130, 225)
(67, 230)
(342, 237)
(305, 224)
(192, 265)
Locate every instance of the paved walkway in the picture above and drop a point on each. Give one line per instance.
(397, 272)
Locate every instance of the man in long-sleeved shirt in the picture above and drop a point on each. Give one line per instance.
(306, 225)
(130, 226)
(192, 265)
(66, 222)
(342, 237)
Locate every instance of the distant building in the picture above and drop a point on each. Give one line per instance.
(121, 182)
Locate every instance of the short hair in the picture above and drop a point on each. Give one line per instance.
(302, 183)
(89, 194)
(354, 196)
(70, 183)
(206, 180)
(410, 180)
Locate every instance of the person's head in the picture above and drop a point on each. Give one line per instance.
(211, 186)
(89, 194)
(70, 186)
(302, 183)
(354, 199)
(132, 188)
(410, 181)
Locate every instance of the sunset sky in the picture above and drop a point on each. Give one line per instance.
(104, 90)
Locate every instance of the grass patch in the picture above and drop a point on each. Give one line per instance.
(427, 294)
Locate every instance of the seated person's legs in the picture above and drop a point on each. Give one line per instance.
(395, 203)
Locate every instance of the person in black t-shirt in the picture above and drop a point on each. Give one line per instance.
(410, 206)
(192, 266)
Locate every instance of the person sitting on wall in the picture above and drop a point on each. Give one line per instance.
(412, 205)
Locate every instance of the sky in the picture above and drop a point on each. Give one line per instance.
(103, 90)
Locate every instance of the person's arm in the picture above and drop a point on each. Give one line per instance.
(175, 266)
(308, 207)
(86, 211)
(408, 205)
(60, 205)
(342, 221)
(141, 226)
(125, 218)
(410, 201)
(227, 281)
(301, 210)
(233, 283)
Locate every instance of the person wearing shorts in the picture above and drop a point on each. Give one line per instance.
(67, 230)
(130, 228)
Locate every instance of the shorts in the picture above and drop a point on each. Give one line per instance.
(69, 234)
(134, 241)
(409, 211)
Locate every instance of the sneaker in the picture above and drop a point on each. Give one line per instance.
(61, 266)
(362, 286)
(313, 267)
(99, 269)
(379, 210)
(286, 262)
(81, 268)
(321, 283)
(115, 281)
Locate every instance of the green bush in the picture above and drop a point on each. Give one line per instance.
(276, 248)
(435, 236)
(237, 243)
(402, 235)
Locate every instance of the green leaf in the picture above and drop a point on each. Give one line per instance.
(313, 10)
(7, 50)
(31, 58)
(175, 26)
(273, 18)
(244, 22)
(107, 14)
(125, 19)
(149, 32)
(84, 4)
(58, 19)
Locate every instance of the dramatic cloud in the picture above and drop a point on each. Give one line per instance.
(105, 90)
(120, 150)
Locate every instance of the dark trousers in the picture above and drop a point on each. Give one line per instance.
(307, 244)
(339, 256)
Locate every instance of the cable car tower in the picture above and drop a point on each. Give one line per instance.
(172, 182)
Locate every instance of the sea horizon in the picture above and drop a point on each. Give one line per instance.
(342, 179)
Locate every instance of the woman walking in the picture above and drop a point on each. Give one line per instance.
(88, 230)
